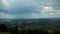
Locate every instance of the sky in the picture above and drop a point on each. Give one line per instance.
(11, 9)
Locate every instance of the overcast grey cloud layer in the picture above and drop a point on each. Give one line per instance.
(29, 9)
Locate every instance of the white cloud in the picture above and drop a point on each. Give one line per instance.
(47, 9)
(56, 11)
(6, 3)
(50, 10)
(44, 15)
(7, 16)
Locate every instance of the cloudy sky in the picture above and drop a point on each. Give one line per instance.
(29, 9)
